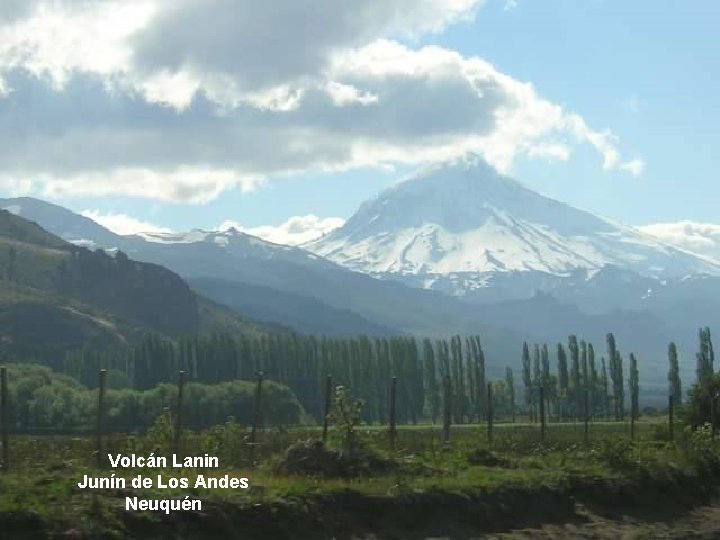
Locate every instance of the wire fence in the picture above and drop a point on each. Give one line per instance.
(247, 445)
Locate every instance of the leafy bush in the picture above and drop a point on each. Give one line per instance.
(312, 458)
(696, 411)
(487, 458)
(617, 453)
(345, 415)
(660, 432)
(41, 398)
(700, 450)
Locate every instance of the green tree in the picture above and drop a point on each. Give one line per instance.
(510, 382)
(675, 386)
(706, 357)
(563, 380)
(634, 381)
(575, 377)
(537, 380)
(527, 380)
(697, 411)
(594, 382)
(432, 391)
(604, 389)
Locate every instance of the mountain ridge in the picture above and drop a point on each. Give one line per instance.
(56, 296)
(246, 272)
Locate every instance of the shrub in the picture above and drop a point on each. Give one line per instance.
(312, 458)
(617, 453)
(487, 458)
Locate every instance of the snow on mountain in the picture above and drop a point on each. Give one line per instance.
(191, 237)
(75, 228)
(227, 243)
(701, 238)
(294, 231)
(463, 219)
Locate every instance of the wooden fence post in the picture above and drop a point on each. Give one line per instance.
(512, 408)
(542, 413)
(671, 415)
(392, 432)
(586, 434)
(178, 413)
(256, 419)
(328, 405)
(491, 413)
(712, 418)
(100, 427)
(446, 410)
(4, 419)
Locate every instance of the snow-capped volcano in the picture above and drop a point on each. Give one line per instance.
(463, 219)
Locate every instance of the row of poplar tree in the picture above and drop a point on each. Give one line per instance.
(579, 385)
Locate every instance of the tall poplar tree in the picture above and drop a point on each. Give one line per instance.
(634, 387)
(432, 391)
(480, 385)
(575, 375)
(510, 382)
(674, 384)
(593, 379)
(584, 376)
(527, 379)
(537, 380)
(563, 380)
(705, 358)
(604, 390)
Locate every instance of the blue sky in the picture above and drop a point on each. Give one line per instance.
(645, 69)
(149, 118)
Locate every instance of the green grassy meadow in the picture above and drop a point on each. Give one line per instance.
(39, 492)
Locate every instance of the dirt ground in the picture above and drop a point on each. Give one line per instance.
(700, 523)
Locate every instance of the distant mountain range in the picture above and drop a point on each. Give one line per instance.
(56, 296)
(456, 248)
(289, 275)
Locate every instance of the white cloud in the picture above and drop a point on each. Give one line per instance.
(345, 94)
(56, 39)
(180, 100)
(635, 167)
(702, 238)
(551, 151)
(193, 185)
(510, 4)
(510, 117)
(295, 231)
(605, 143)
(122, 223)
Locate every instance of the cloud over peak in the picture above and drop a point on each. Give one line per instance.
(120, 223)
(702, 238)
(293, 232)
(180, 100)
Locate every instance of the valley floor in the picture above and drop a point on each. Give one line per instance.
(700, 523)
(516, 487)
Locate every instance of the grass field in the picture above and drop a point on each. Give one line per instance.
(470, 477)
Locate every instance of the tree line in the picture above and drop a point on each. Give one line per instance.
(574, 382)
(41, 399)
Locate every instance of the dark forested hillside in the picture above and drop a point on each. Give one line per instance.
(303, 313)
(56, 296)
(144, 293)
